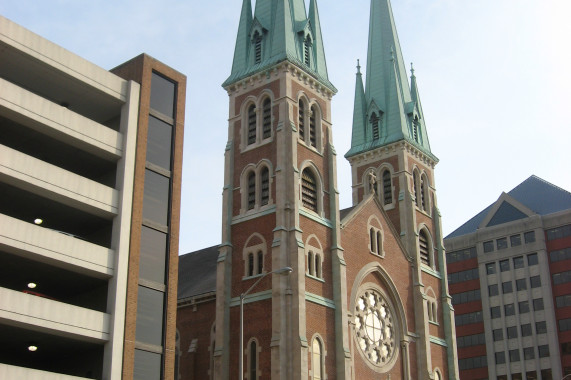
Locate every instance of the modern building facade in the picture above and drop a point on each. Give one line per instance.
(367, 297)
(509, 271)
(90, 186)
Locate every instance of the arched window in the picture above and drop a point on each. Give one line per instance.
(260, 269)
(267, 118)
(251, 124)
(265, 196)
(379, 243)
(375, 236)
(424, 248)
(309, 190)
(375, 126)
(252, 361)
(301, 119)
(317, 360)
(253, 255)
(313, 127)
(387, 188)
(257, 40)
(251, 190)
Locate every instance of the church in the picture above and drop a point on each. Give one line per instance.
(297, 288)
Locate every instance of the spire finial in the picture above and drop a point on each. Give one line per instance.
(358, 67)
(411, 69)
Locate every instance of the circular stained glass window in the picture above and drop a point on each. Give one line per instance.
(374, 327)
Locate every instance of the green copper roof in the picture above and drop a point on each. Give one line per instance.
(285, 30)
(387, 94)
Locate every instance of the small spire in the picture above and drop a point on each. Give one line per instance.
(411, 70)
(358, 67)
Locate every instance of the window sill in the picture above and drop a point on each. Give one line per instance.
(314, 277)
(246, 148)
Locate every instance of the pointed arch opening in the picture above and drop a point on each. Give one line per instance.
(314, 255)
(309, 190)
(387, 192)
(374, 120)
(307, 44)
(254, 255)
(252, 357)
(317, 360)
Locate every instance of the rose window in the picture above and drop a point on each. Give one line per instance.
(374, 327)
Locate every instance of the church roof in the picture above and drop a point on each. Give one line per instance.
(534, 196)
(284, 27)
(386, 94)
(197, 272)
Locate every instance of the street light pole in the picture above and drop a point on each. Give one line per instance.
(281, 271)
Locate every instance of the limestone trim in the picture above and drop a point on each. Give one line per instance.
(376, 236)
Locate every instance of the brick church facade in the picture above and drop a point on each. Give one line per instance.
(367, 296)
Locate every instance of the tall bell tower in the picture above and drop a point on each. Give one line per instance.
(390, 156)
(280, 200)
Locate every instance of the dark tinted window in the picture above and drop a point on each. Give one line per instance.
(147, 365)
(523, 307)
(518, 262)
(493, 290)
(495, 312)
(512, 332)
(515, 240)
(538, 304)
(535, 281)
(153, 252)
(504, 265)
(526, 329)
(162, 95)
(509, 309)
(150, 305)
(156, 198)
(491, 268)
(488, 246)
(532, 259)
(159, 143)
(529, 237)
(498, 334)
(502, 243)
(507, 287)
(540, 327)
(521, 284)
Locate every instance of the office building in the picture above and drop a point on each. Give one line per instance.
(509, 272)
(90, 175)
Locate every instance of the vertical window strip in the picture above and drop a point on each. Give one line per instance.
(379, 250)
(251, 191)
(310, 263)
(301, 120)
(306, 51)
(265, 196)
(250, 264)
(257, 48)
(317, 266)
(312, 127)
(375, 126)
(387, 188)
(267, 118)
(415, 187)
(260, 262)
(422, 193)
(253, 361)
(251, 124)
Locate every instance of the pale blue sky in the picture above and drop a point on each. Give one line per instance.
(493, 76)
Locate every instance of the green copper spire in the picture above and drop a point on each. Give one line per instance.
(392, 109)
(359, 110)
(279, 30)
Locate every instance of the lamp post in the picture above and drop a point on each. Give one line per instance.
(281, 271)
(566, 376)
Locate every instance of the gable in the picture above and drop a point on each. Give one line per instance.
(506, 213)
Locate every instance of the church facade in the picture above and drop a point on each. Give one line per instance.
(367, 296)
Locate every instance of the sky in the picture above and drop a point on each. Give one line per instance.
(493, 75)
